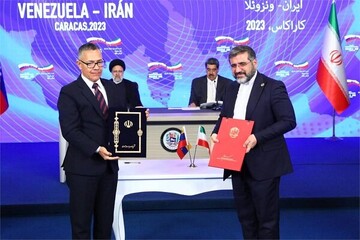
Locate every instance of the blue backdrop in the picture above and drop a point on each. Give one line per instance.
(165, 45)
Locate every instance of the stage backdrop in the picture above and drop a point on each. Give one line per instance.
(165, 44)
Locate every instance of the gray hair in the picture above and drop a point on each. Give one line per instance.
(86, 47)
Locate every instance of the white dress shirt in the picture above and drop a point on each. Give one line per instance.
(242, 98)
(211, 90)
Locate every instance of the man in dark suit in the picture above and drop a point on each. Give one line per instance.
(91, 171)
(208, 88)
(126, 89)
(265, 101)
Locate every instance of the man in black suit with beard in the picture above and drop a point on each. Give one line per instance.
(254, 96)
(91, 170)
(126, 89)
(208, 88)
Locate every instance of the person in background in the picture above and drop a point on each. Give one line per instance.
(254, 96)
(208, 88)
(91, 170)
(127, 90)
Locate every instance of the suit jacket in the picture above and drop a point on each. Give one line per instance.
(198, 93)
(271, 110)
(127, 92)
(83, 126)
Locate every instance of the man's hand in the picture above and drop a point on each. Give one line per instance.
(106, 155)
(147, 111)
(250, 143)
(213, 140)
(192, 105)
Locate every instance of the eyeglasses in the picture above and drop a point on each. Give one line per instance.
(240, 64)
(93, 64)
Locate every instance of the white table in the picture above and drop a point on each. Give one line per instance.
(173, 176)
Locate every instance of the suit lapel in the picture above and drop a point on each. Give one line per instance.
(257, 90)
(233, 89)
(219, 85)
(89, 95)
(111, 90)
(204, 89)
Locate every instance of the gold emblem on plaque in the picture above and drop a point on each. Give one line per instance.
(116, 132)
(128, 124)
(234, 132)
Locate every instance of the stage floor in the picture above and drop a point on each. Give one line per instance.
(322, 169)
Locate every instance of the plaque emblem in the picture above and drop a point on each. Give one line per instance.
(169, 139)
(128, 124)
(234, 132)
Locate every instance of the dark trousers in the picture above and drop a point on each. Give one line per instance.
(257, 204)
(92, 199)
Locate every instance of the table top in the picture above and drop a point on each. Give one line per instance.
(149, 169)
(182, 114)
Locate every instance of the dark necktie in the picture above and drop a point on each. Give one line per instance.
(101, 99)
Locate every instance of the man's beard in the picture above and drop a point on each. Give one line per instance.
(212, 77)
(247, 78)
(118, 80)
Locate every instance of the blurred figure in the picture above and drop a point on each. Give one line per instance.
(208, 88)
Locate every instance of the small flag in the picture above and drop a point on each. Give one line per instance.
(183, 145)
(4, 104)
(201, 138)
(331, 72)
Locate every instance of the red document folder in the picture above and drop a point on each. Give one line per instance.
(229, 152)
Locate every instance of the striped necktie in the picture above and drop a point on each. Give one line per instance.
(101, 99)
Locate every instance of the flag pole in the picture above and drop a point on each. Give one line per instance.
(188, 146)
(192, 164)
(331, 75)
(333, 137)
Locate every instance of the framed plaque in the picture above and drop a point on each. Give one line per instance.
(127, 135)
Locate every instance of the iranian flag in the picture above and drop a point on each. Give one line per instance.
(201, 138)
(331, 72)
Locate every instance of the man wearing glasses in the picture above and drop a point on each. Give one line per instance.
(254, 96)
(91, 172)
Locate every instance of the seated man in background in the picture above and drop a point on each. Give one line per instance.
(126, 89)
(208, 88)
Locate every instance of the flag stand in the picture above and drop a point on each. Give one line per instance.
(331, 73)
(333, 137)
(192, 160)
